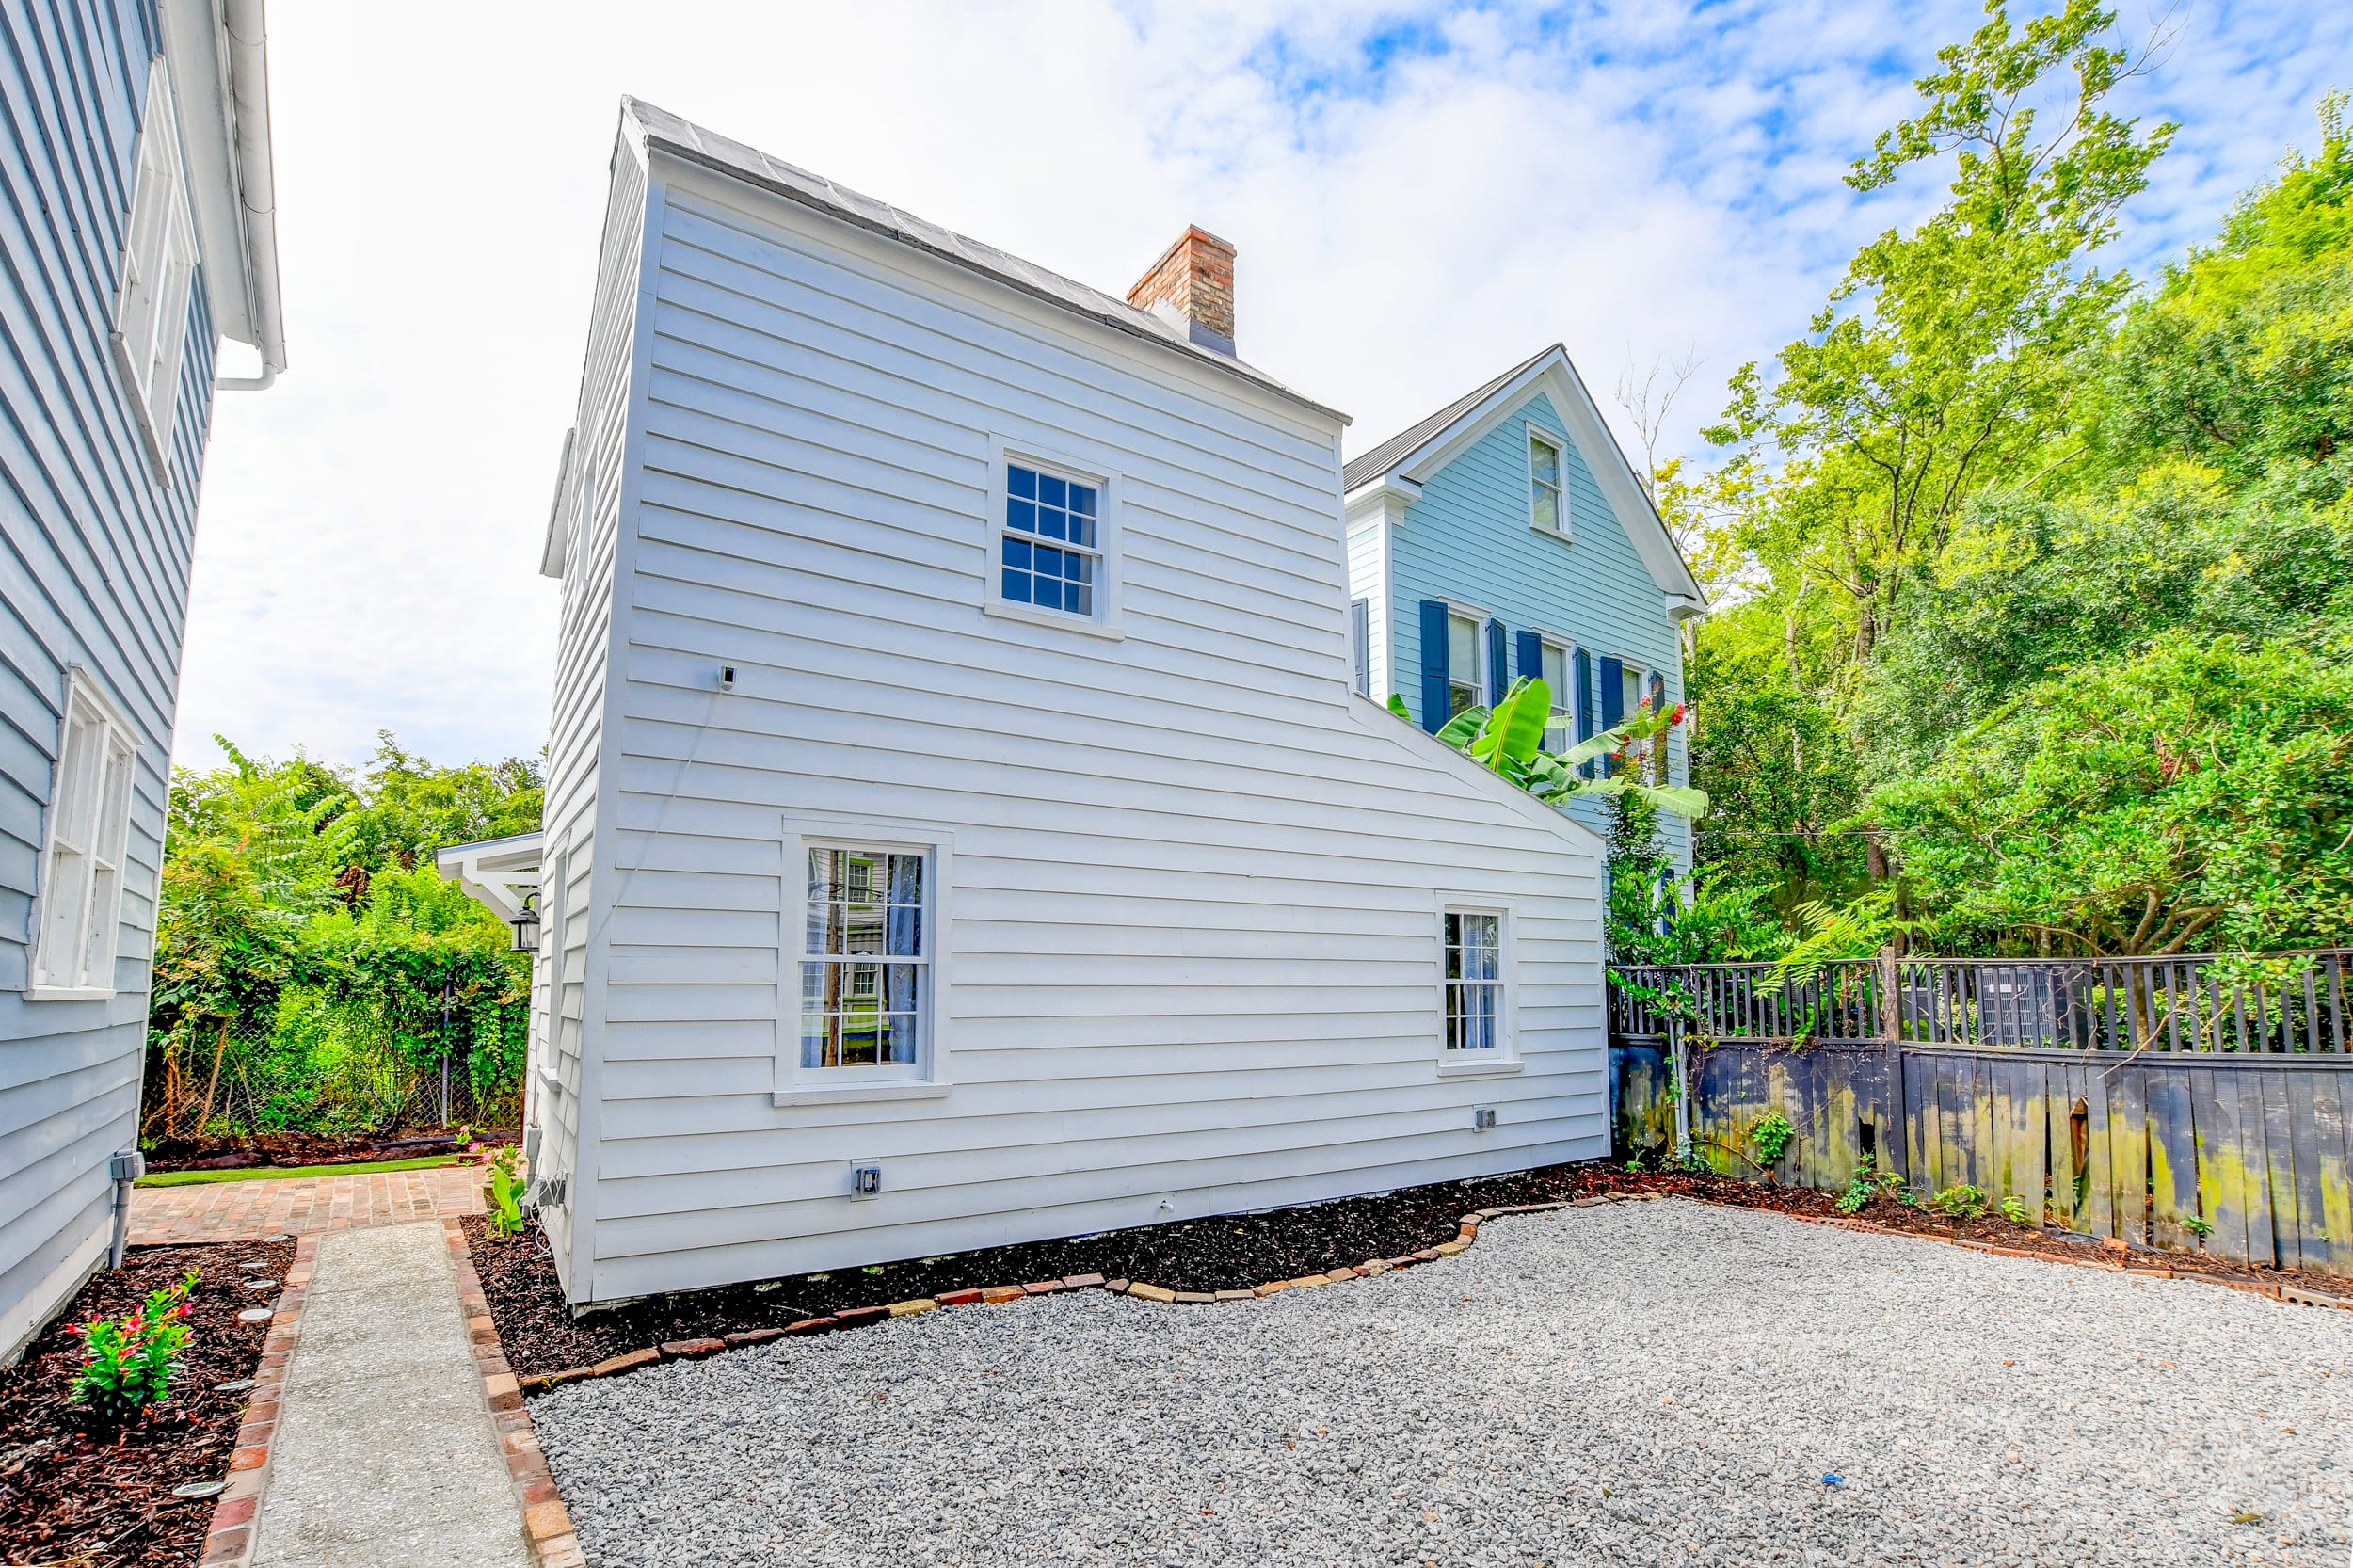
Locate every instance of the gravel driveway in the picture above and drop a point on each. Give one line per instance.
(1651, 1382)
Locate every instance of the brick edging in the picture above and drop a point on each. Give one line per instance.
(228, 1536)
(997, 1295)
(547, 1525)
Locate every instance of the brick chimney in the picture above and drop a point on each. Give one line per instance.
(1192, 287)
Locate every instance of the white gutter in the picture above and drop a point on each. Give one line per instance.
(248, 41)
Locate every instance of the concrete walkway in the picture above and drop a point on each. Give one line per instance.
(298, 1206)
(385, 1455)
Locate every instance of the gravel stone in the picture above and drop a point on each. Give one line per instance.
(1655, 1383)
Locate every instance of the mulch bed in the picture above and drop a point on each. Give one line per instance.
(247, 1151)
(76, 1492)
(1224, 1252)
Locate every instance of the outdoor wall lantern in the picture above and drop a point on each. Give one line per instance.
(526, 926)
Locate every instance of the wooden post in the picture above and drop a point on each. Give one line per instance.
(1896, 1146)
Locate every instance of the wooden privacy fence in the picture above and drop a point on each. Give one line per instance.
(2143, 1098)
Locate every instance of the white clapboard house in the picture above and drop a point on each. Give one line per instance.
(961, 826)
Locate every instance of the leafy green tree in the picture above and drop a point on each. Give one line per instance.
(2195, 795)
(1943, 357)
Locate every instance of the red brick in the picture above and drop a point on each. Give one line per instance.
(1043, 1287)
(681, 1349)
(958, 1298)
(1117, 1285)
(249, 1459)
(626, 1363)
(545, 1521)
(1082, 1281)
(754, 1335)
(234, 1511)
(811, 1325)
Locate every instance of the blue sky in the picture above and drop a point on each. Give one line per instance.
(1420, 194)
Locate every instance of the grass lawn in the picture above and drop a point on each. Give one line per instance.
(273, 1172)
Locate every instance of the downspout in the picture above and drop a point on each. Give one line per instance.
(257, 186)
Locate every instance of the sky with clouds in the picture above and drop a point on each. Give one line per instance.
(1421, 195)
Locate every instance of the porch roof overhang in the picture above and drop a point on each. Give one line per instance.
(498, 874)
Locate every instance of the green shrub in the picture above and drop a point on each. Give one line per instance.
(127, 1365)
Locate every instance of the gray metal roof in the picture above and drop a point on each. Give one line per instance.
(1389, 453)
(684, 139)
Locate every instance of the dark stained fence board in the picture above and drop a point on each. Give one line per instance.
(2221, 1191)
(2173, 1158)
(2279, 1112)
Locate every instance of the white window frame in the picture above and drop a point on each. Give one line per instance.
(1479, 682)
(150, 331)
(926, 1077)
(1108, 484)
(77, 912)
(1560, 445)
(1503, 1057)
(1563, 695)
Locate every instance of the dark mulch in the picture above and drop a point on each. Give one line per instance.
(74, 1491)
(253, 1150)
(1224, 1252)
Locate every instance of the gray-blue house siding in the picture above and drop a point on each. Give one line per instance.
(93, 576)
(1439, 517)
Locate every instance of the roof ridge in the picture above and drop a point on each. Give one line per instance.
(1389, 453)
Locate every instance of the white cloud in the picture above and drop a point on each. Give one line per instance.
(1628, 181)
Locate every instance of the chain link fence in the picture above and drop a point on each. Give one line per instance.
(339, 1064)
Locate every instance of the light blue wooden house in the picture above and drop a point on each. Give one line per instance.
(139, 230)
(1507, 535)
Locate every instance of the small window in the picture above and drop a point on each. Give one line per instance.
(1631, 691)
(89, 818)
(1474, 981)
(151, 321)
(1655, 688)
(1050, 550)
(1559, 677)
(1360, 642)
(1462, 664)
(865, 962)
(1549, 508)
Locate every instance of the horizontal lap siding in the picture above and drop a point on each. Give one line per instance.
(590, 503)
(1467, 537)
(1193, 943)
(1368, 580)
(94, 558)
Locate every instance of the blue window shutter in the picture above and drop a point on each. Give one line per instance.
(1499, 665)
(1612, 700)
(1531, 649)
(1434, 664)
(1584, 664)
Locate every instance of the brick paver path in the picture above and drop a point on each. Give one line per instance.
(297, 1205)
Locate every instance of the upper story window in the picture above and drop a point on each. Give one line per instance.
(1548, 505)
(1050, 551)
(865, 961)
(1360, 642)
(1474, 980)
(1655, 692)
(1630, 698)
(1462, 663)
(150, 320)
(81, 867)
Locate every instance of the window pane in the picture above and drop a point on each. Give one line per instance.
(1016, 553)
(1053, 523)
(1016, 585)
(1052, 491)
(1021, 515)
(1632, 688)
(1460, 698)
(1547, 506)
(1543, 461)
(1462, 648)
(1022, 482)
(1081, 527)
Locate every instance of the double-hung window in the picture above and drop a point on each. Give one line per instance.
(1474, 981)
(1049, 549)
(1560, 667)
(90, 819)
(1547, 503)
(1463, 685)
(150, 320)
(865, 962)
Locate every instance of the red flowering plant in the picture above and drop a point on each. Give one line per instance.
(127, 1366)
